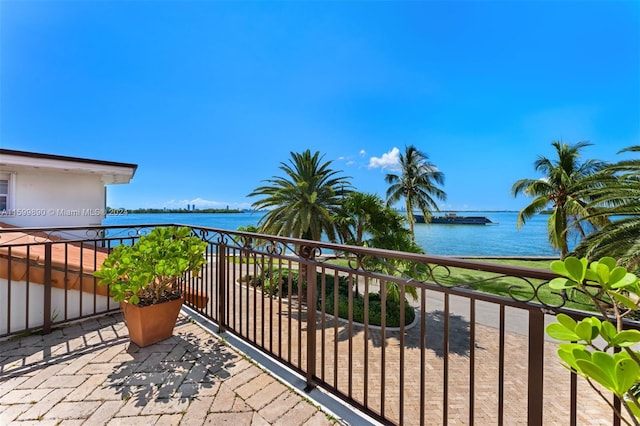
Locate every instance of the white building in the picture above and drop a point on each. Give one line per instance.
(44, 190)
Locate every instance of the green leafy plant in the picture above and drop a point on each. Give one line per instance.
(148, 271)
(392, 309)
(600, 349)
(279, 280)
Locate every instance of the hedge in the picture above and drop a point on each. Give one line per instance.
(270, 285)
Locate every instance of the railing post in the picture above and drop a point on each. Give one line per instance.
(311, 326)
(536, 367)
(221, 264)
(46, 328)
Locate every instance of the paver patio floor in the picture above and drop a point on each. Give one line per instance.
(89, 373)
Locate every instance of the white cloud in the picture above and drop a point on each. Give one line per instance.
(389, 160)
(363, 153)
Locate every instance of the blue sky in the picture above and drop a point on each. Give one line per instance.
(209, 97)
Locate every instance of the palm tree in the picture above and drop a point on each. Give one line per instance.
(619, 197)
(416, 184)
(565, 188)
(359, 215)
(367, 221)
(305, 202)
(389, 232)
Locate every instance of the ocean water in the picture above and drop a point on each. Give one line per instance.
(502, 238)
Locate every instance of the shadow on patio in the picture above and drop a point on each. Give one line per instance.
(90, 371)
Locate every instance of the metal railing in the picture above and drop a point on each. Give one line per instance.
(466, 357)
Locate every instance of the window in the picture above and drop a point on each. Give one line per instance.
(6, 191)
(4, 194)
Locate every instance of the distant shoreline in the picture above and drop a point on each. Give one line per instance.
(164, 210)
(160, 211)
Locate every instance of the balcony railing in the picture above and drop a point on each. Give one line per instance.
(467, 357)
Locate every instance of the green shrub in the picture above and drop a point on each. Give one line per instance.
(250, 279)
(273, 278)
(343, 284)
(271, 282)
(375, 309)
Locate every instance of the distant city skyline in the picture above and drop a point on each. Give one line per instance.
(208, 98)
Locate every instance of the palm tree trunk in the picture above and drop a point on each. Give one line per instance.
(410, 218)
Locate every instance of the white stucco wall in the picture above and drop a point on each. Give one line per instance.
(49, 197)
(36, 308)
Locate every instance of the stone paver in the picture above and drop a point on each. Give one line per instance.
(89, 373)
(224, 400)
(266, 394)
(282, 404)
(216, 419)
(259, 382)
(197, 413)
(73, 410)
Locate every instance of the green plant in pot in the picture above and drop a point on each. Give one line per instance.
(146, 278)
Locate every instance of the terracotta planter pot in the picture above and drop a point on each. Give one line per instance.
(198, 298)
(151, 324)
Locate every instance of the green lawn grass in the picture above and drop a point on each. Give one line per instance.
(511, 287)
(487, 282)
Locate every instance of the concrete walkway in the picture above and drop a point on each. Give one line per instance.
(89, 373)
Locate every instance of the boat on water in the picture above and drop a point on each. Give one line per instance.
(454, 219)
